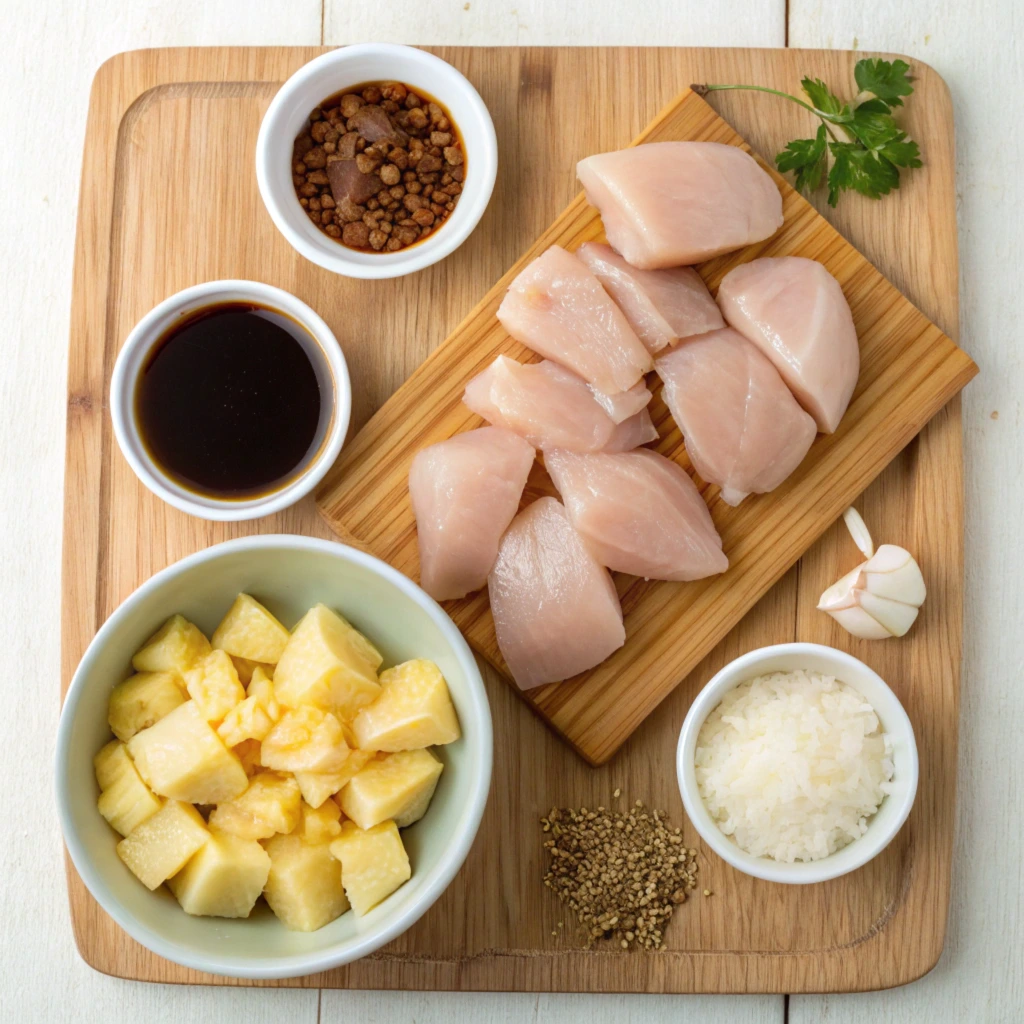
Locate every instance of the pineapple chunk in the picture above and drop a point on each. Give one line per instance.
(245, 669)
(181, 757)
(249, 631)
(245, 721)
(261, 686)
(319, 824)
(248, 752)
(224, 879)
(316, 787)
(126, 801)
(175, 647)
(305, 740)
(142, 700)
(413, 710)
(397, 786)
(162, 845)
(111, 763)
(213, 684)
(304, 888)
(373, 863)
(270, 804)
(327, 664)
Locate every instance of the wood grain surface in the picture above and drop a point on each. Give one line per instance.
(908, 371)
(166, 122)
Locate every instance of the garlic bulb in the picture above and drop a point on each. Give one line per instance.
(881, 597)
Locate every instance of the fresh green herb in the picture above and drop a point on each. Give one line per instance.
(866, 146)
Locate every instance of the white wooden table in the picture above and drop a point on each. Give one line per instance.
(52, 49)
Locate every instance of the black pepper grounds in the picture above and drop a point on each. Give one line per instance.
(623, 873)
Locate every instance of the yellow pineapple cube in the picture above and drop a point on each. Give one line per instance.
(306, 739)
(373, 863)
(126, 801)
(181, 757)
(142, 700)
(213, 684)
(316, 787)
(249, 631)
(224, 879)
(328, 664)
(245, 721)
(414, 710)
(245, 669)
(271, 804)
(111, 763)
(162, 845)
(248, 752)
(304, 887)
(397, 786)
(319, 824)
(261, 686)
(175, 647)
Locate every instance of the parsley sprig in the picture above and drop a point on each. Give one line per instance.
(866, 145)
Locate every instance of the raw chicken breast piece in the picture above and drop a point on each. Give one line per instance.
(639, 513)
(743, 429)
(464, 494)
(625, 404)
(558, 308)
(795, 312)
(666, 204)
(556, 612)
(632, 433)
(550, 407)
(662, 306)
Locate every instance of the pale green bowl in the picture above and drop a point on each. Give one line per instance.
(289, 574)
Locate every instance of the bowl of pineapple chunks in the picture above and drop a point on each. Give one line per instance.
(273, 758)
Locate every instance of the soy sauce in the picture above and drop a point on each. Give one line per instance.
(228, 402)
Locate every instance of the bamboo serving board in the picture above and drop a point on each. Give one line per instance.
(909, 370)
(169, 199)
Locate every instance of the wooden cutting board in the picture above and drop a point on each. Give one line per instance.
(169, 199)
(909, 370)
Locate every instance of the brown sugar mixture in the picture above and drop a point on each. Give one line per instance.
(379, 167)
(622, 873)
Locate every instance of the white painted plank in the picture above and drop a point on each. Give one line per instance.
(977, 51)
(51, 51)
(520, 1008)
(557, 22)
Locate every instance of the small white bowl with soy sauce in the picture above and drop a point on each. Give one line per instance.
(230, 400)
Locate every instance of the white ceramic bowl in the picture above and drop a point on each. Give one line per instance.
(886, 821)
(328, 362)
(290, 574)
(353, 65)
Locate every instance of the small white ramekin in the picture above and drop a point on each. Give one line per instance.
(886, 821)
(328, 362)
(332, 72)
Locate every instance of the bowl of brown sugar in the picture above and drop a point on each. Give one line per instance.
(376, 160)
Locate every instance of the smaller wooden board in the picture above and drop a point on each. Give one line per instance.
(909, 370)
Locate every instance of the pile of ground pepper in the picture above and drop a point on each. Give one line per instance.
(623, 873)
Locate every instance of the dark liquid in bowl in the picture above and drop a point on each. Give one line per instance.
(228, 402)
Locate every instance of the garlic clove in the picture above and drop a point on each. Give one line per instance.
(894, 616)
(856, 620)
(859, 531)
(895, 574)
(840, 594)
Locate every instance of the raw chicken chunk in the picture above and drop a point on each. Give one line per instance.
(626, 403)
(662, 306)
(743, 429)
(558, 308)
(555, 609)
(665, 204)
(639, 513)
(632, 433)
(551, 407)
(795, 312)
(464, 493)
